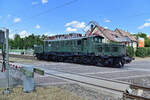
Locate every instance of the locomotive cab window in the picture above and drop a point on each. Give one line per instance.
(79, 42)
(97, 40)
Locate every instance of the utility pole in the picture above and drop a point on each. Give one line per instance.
(7, 91)
(5, 54)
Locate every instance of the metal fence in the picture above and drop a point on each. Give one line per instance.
(43, 84)
(15, 78)
(20, 51)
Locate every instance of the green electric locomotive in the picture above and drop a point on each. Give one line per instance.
(83, 50)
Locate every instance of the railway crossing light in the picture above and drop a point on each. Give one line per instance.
(1, 37)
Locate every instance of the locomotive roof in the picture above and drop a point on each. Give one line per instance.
(77, 38)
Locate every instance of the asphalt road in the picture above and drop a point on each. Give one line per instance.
(140, 68)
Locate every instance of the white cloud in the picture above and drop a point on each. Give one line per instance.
(44, 1)
(37, 26)
(106, 27)
(79, 25)
(23, 34)
(16, 20)
(76, 24)
(11, 36)
(132, 33)
(9, 15)
(148, 20)
(69, 29)
(71, 23)
(35, 3)
(144, 25)
(47, 33)
(107, 20)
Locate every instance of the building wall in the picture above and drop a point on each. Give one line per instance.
(134, 44)
(105, 40)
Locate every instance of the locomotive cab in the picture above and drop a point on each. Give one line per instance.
(97, 39)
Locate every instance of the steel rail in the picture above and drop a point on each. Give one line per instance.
(125, 95)
(132, 85)
(131, 96)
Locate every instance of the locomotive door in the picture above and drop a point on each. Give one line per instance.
(85, 46)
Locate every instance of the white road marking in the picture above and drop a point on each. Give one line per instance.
(139, 69)
(128, 77)
(106, 72)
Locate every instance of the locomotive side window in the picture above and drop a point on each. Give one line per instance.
(100, 49)
(62, 43)
(107, 49)
(67, 43)
(79, 42)
(70, 42)
(115, 49)
(49, 44)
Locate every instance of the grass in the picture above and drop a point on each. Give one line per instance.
(41, 93)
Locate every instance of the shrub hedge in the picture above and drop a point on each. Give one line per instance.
(143, 52)
(130, 51)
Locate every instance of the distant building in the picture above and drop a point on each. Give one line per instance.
(130, 39)
(64, 36)
(113, 36)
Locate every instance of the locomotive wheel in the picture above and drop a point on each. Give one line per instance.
(60, 59)
(84, 60)
(75, 60)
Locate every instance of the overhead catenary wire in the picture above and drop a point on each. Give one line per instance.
(44, 12)
(63, 5)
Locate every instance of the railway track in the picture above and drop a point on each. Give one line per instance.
(101, 82)
(21, 56)
(114, 86)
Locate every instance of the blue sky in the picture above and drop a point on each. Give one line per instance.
(40, 16)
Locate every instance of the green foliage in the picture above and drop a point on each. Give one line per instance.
(140, 52)
(140, 34)
(26, 42)
(147, 42)
(130, 51)
(143, 52)
(148, 51)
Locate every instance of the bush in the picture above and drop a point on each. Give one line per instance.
(140, 52)
(148, 51)
(130, 51)
(143, 52)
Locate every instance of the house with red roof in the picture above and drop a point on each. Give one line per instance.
(117, 35)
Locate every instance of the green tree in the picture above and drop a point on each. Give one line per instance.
(18, 42)
(27, 42)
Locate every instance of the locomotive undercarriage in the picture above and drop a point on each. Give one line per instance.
(88, 59)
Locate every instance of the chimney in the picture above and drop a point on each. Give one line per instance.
(92, 27)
